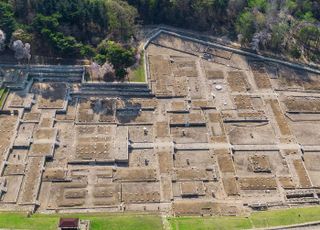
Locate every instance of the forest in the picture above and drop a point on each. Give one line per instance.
(105, 30)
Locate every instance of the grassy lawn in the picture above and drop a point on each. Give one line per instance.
(102, 221)
(98, 221)
(256, 220)
(138, 74)
(209, 223)
(3, 94)
(285, 217)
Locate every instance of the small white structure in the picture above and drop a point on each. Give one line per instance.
(218, 87)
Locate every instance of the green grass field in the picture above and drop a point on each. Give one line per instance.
(98, 221)
(3, 95)
(256, 220)
(103, 221)
(138, 74)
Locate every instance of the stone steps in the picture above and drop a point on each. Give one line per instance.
(111, 93)
(115, 89)
(55, 74)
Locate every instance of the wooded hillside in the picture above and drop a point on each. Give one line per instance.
(76, 28)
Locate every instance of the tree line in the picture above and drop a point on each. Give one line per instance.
(88, 28)
(73, 28)
(290, 27)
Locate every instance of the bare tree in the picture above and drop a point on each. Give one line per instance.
(2, 40)
(105, 72)
(21, 51)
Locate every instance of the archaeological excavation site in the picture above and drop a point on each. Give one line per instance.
(212, 131)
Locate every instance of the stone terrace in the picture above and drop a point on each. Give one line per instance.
(216, 133)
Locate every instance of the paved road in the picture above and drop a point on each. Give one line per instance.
(298, 228)
(305, 226)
